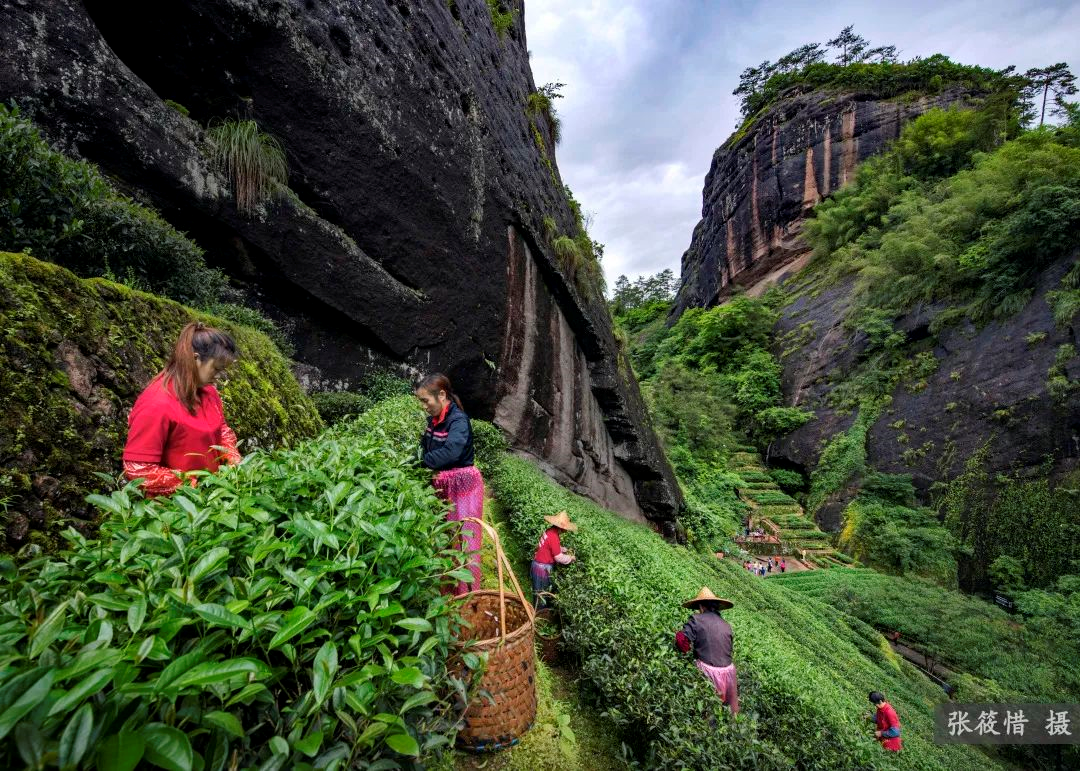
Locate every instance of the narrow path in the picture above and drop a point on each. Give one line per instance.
(569, 734)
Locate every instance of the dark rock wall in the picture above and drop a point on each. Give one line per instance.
(763, 182)
(410, 156)
(989, 386)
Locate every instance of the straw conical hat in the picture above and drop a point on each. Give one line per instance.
(561, 520)
(706, 595)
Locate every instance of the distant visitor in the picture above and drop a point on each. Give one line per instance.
(888, 724)
(549, 552)
(178, 422)
(447, 446)
(711, 640)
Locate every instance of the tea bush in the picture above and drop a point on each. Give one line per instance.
(999, 658)
(284, 613)
(336, 406)
(66, 212)
(804, 667)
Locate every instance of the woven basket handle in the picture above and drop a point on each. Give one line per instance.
(500, 560)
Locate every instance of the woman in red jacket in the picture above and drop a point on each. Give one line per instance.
(888, 724)
(178, 420)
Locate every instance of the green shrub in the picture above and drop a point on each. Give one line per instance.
(253, 160)
(502, 20)
(880, 79)
(488, 444)
(249, 317)
(284, 612)
(64, 211)
(789, 481)
(569, 254)
(381, 385)
(1034, 520)
(336, 406)
(997, 657)
(899, 539)
(980, 236)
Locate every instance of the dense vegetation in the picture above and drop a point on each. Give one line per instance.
(800, 663)
(952, 216)
(876, 71)
(284, 613)
(995, 658)
(66, 212)
(950, 213)
(713, 388)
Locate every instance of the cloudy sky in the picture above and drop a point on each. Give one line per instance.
(648, 88)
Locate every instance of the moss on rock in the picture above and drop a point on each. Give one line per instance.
(74, 354)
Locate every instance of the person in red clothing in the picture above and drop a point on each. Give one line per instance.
(888, 724)
(178, 422)
(549, 552)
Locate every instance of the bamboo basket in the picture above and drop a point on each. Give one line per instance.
(549, 643)
(502, 626)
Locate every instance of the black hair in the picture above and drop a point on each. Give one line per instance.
(876, 697)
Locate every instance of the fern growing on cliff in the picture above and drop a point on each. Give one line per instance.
(503, 21)
(253, 160)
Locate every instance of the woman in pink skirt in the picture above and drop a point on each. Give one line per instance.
(448, 450)
(710, 638)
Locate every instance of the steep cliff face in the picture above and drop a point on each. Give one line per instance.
(766, 178)
(417, 194)
(983, 386)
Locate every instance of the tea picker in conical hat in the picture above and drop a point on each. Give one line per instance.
(710, 638)
(549, 552)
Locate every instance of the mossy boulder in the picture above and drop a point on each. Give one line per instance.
(74, 354)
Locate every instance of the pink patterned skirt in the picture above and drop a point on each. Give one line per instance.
(464, 487)
(725, 682)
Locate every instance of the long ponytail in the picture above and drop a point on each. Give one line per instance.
(181, 373)
(439, 382)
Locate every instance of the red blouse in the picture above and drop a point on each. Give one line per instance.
(549, 547)
(165, 439)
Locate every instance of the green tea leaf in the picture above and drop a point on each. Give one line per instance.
(222, 672)
(295, 621)
(208, 563)
(108, 504)
(310, 744)
(409, 676)
(75, 740)
(226, 721)
(217, 615)
(415, 624)
(48, 630)
(136, 614)
(120, 752)
(30, 698)
(324, 670)
(88, 686)
(417, 700)
(167, 747)
(30, 743)
(403, 743)
(279, 746)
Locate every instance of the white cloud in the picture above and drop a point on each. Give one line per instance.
(648, 95)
